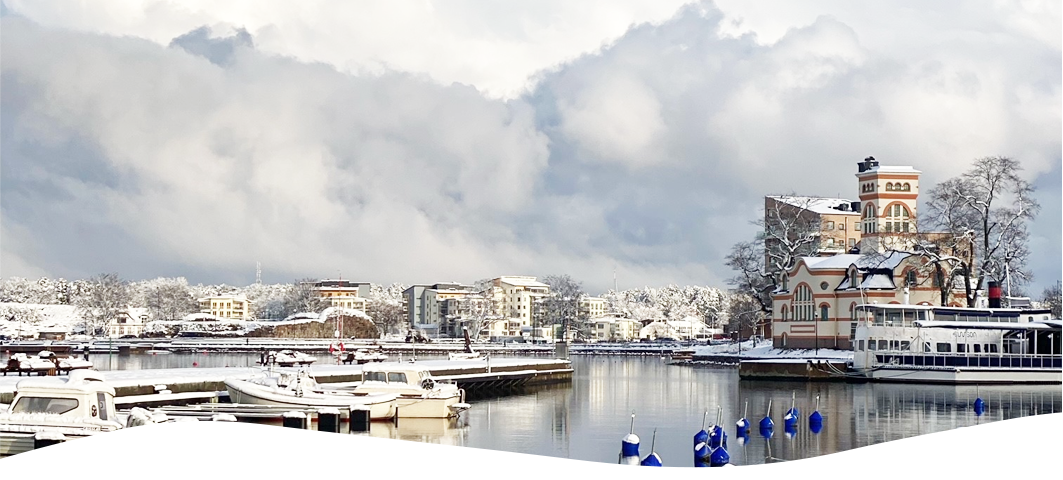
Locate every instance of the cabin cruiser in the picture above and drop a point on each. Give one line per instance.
(299, 389)
(419, 395)
(79, 407)
(290, 358)
(922, 343)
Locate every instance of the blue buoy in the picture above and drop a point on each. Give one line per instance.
(719, 457)
(743, 439)
(717, 437)
(792, 415)
(629, 446)
(815, 421)
(766, 425)
(702, 436)
(791, 430)
(979, 406)
(651, 460)
(742, 425)
(701, 455)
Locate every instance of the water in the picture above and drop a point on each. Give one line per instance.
(587, 419)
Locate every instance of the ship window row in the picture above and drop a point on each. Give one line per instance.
(952, 317)
(873, 345)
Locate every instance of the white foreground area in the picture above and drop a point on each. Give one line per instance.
(1017, 448)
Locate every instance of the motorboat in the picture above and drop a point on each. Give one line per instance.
(365, 355)
(299, 389)
(289, 358)
(419, 395)
(922, 343)
(468, 353)
(81, 406)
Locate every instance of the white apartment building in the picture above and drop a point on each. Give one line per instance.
(592, 307)
(515, 298)
(130, 321)
(613, 329)
(236, 307)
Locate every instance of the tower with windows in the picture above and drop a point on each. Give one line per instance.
(888, 200)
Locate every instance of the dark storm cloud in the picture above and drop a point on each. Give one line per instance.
(650, 156)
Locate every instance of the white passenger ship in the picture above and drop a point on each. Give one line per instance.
(916, 343)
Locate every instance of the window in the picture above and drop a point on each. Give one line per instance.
(830, 225)
(991, 348)
(871, 345)
(860, 345)
(977, 348)
(852, 242)
(841, 226)
(944, 347)
(961, 348)
(44, 405)
(824, 313)
(883, 345)
(803, 307)
(907, 187)
(909, 278)
(926, 347)
(824, 285)
(374, 377)
(905, 345)
(889, 187)
(101, 398)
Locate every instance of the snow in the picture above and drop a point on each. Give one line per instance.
(31, 318)
(877, 280)
(265, 451)
(821, 205)
(765, 350)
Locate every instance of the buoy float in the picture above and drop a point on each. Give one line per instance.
(790, 430)
(719, 456)
(790, 419)
(979, 406)
(701, 455)
(815, 421)
(717, 435)
(195, 364)
(701, 447)
(652, 460)
(629, 446)
(766, 425)
(742, 425)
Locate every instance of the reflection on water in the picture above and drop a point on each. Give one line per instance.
(587, 419)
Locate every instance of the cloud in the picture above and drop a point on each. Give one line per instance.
(649, 155)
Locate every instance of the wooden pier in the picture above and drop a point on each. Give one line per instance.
(793, 369)
(192, 385)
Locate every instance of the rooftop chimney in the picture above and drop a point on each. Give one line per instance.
(867, 164)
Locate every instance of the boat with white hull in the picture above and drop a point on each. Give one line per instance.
(419, 395)
(917, 343)
(300, 390)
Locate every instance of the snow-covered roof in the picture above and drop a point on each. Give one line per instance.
(862, 262)
(523, 282)
(877, 280)
(821, 205)
(890, 169)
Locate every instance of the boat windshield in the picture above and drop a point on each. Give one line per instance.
(375, 377)
(44, 405)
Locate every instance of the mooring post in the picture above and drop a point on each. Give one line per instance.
(359, 419)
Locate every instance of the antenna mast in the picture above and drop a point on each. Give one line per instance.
(258, 273)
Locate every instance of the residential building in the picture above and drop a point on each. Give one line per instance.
(515, 300)
(435, 309)
(236, 307)
(837, 219)
(592, 307)
(614, 329)
(343, 293)
(130, 321)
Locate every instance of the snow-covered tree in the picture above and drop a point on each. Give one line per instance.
(107, 295)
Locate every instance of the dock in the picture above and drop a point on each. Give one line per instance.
(147, 388)
(793, 369)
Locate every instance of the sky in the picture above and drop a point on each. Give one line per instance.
(423, 142)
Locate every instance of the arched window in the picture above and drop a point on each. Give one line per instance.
(824, 312)
(910, 278)
(852, 279)
(869, 211)
(784, 313)
(803, 307)
(889, 187)
(852, 311)
(907, 187)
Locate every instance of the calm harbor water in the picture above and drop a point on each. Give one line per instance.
(587, 419)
